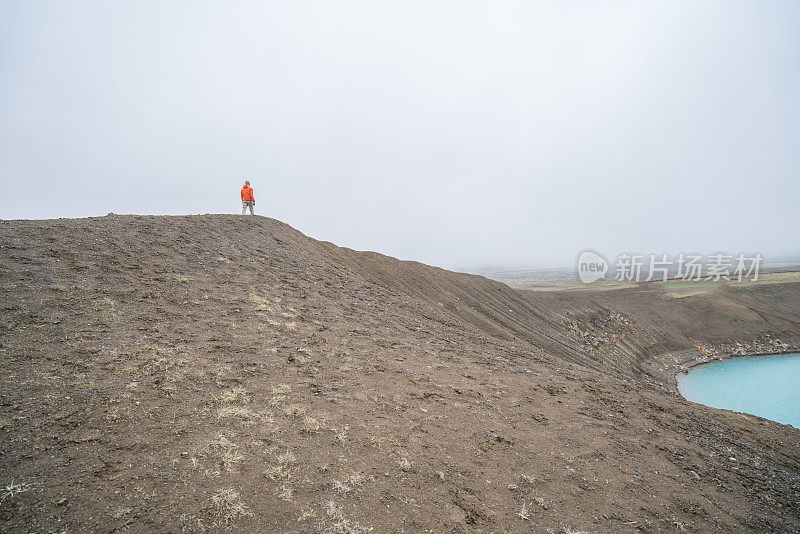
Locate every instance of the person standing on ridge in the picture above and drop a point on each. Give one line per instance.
(248, 200)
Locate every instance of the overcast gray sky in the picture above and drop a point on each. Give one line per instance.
(457, 133)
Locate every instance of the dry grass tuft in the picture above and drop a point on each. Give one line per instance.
(230, 459)
(341, 487)
(356, 479)
(233, 395)
(340, 524)
(212, 473)
(221, 442)
(281, 471)
(346, 486)
(121, 511)
(279, 394)
(310, 425)
(295, 410)
(225, 449)
(9, 490)
(261, 304)
(287, 458)
(235, 411)
(276, 473)
(281, 389)
(286, 494)
(227, 505)
(277, 400)
(308, 513)
(333, 510)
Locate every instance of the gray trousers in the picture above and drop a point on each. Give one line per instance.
(245, 205)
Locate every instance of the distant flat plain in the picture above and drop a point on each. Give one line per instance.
(567, 280)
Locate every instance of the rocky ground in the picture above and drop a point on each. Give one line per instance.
(182, 374)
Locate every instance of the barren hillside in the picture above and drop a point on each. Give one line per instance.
(181, 374)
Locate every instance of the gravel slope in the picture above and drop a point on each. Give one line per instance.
(180, 374)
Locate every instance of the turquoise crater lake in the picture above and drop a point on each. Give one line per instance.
(766, 386)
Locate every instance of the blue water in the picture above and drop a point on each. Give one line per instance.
(767, 386)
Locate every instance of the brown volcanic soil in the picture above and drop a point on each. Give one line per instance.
(176, 374)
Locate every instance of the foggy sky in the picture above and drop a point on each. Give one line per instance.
(456, 133)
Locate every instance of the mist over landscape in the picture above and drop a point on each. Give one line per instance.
(461, 134)
(375, 266)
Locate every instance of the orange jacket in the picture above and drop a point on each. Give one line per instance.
(247, 194)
